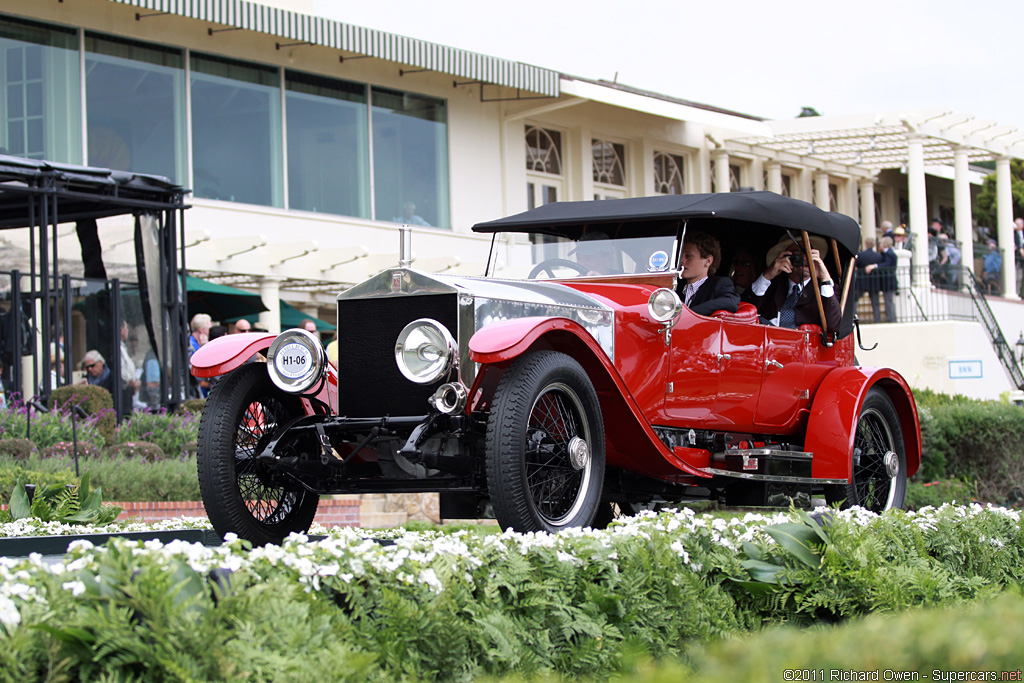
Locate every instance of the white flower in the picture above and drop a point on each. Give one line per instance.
(9, 614)
(76, 587)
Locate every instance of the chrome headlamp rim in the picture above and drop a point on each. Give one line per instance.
(442, 343)
(301, 347)
(664, 305)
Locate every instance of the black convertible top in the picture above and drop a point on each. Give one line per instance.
(766, 208)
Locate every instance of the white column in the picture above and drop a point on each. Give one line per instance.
(867, 208)
(917, 199)
(962, 202)
(774, 169)
(821, 190)
(1004, 226)
(721, 161)
(270, 292)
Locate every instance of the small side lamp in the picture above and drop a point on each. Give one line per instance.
(1020, 348)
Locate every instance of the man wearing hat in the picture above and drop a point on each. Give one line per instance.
(782, 293)
(899, 239)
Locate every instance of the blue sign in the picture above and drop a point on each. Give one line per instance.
(965, 369)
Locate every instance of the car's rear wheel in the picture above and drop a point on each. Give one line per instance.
(241, 494)
(545, 445)
(879, 459)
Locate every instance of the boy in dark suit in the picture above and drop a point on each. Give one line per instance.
(700, 289)
(782, 293)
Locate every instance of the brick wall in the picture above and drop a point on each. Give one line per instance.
(330, 512)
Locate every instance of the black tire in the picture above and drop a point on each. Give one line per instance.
(545, 445)
(877, 446)
(240, 495)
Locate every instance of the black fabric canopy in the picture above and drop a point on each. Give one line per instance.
(766, 208)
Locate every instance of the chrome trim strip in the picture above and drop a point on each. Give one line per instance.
(767, 477)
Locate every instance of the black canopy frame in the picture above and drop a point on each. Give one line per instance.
(39, 195)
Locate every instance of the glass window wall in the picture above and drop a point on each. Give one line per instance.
(135, 107)
(328, 145)
(410, 158)
(40, 100)
(236, 131)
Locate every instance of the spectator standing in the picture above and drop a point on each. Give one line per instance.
(1018, 252)
(242, 325)
(899, 239)
(867, 279)
(951, 267)
(992, 274)
(200, 335)
(129, 377)
(887, 278)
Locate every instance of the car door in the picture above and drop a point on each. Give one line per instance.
(741, 374)
(784, 389)
(694, 368)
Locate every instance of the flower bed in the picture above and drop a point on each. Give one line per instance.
(457, 606)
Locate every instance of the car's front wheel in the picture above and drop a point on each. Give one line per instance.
(545, 445)
(879, 459)
(241, 494)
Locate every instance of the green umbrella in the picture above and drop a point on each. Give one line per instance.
(221, 302)
(292, 317)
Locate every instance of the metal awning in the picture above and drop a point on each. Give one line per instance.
(881, 141)
(305, 28)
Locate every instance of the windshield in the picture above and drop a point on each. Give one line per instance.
(537, 256)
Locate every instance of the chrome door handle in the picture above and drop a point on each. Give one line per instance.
(773, 364)
(723, 356)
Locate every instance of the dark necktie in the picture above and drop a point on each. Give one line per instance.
(787, 314)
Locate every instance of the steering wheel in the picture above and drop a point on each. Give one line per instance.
(550, 264)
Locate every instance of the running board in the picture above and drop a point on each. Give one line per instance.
(766, 464)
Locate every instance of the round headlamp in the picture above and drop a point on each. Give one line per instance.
(424, 351)
(664, 304)
(296, 361)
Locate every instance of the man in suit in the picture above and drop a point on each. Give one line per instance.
(700, 289)
(887, 277)
(782, 293)
(867, 279)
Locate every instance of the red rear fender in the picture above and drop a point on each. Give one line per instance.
(226, 353)
(836, 409)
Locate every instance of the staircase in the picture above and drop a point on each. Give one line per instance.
(1002, 348)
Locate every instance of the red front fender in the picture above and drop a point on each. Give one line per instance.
(226, 353)
(833, 421)
(631, 443)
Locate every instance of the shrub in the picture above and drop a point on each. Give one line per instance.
(977, 442)
(50, 428)
(17, 449)
(936, 493)
(66, 449)
(11, 473)
(95, 401)
(135, 480)
(192, 405)
(137, 450)
(175, 433)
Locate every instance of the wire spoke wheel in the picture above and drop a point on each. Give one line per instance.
(545, 445)
(878, 462)
(241, 493)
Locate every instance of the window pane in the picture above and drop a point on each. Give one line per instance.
(609, 162)
(543, 150)
(135, 104)
(410, 158)
(328, 150)
(41, 118)
(236, 131)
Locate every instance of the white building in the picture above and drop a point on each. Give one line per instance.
(307, 142)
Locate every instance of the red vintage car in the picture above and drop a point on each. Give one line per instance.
(568, 383)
